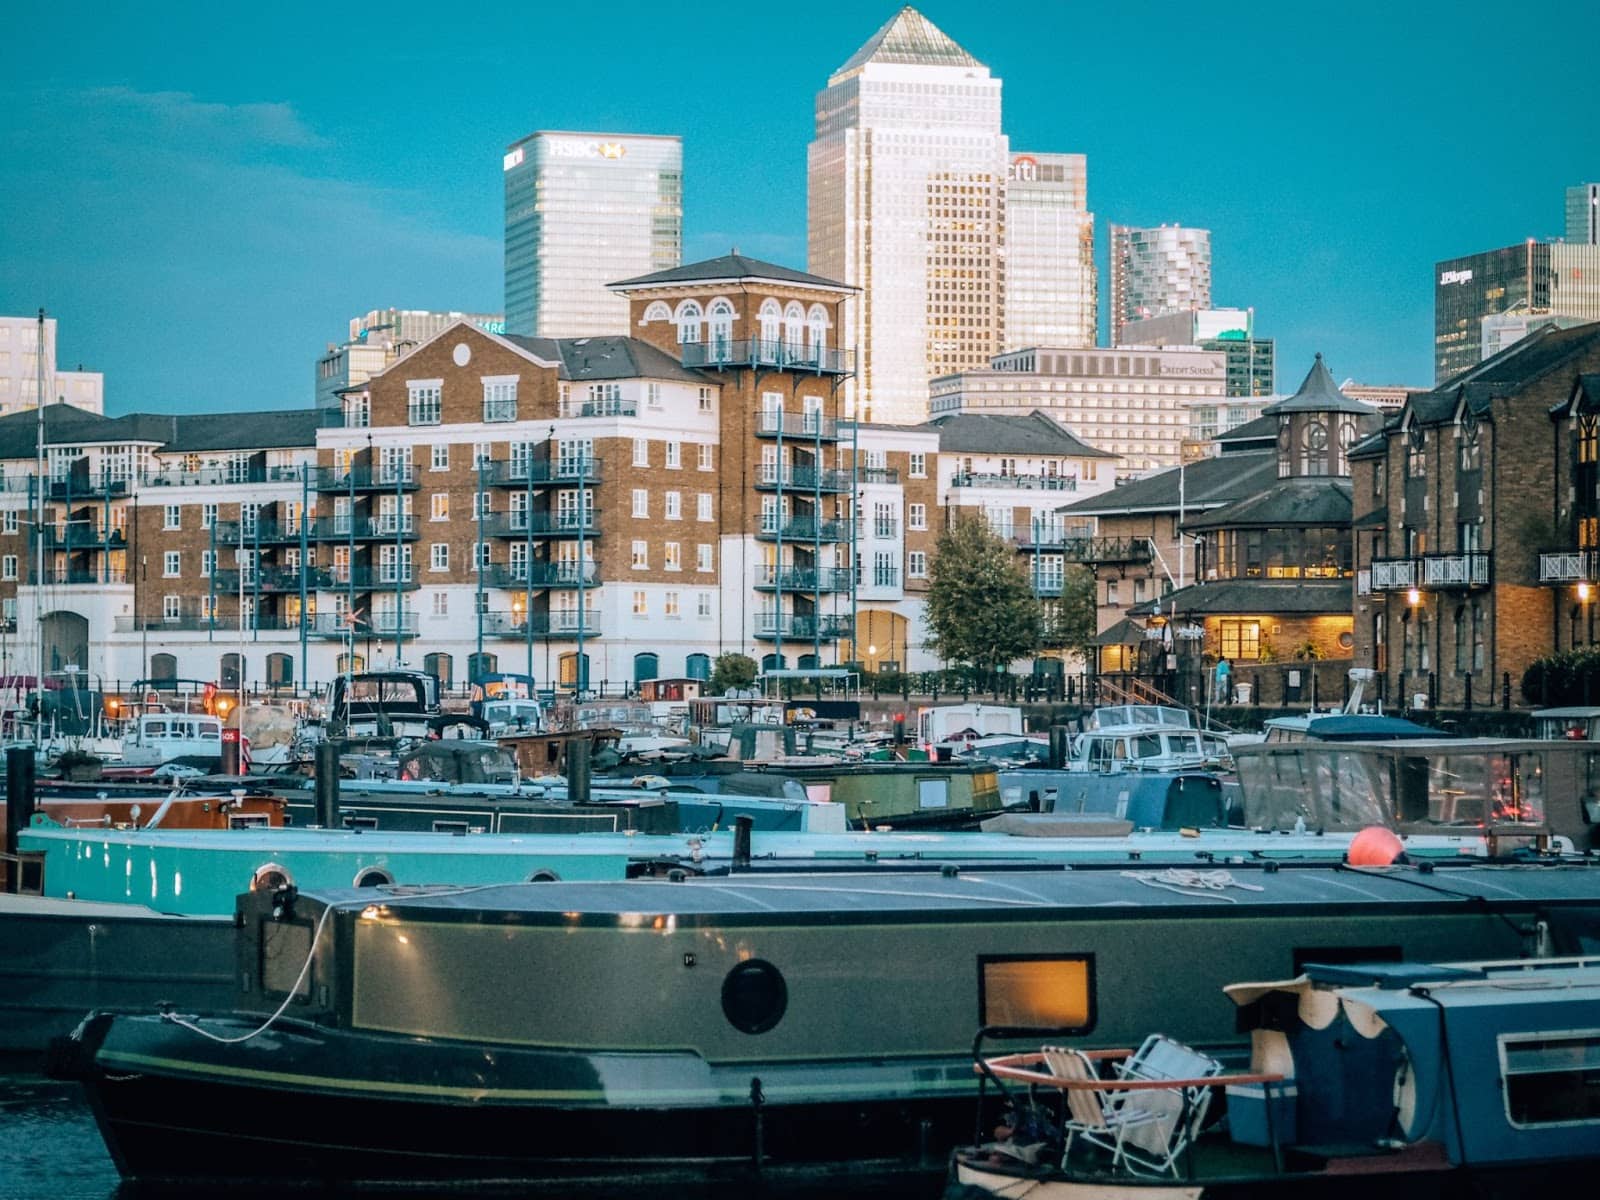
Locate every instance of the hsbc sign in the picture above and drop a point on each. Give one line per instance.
(577, 148)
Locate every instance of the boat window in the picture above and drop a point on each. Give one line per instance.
(1552, 1079)
(544, 875)
(155, 729)
(285, 946)
(247, 820)
(754, 996)
(459, 827)
(1475, 789)
(269, 877)
(933, 793)
(1040, 991)
(1147, 745)
(361, 822)
(1359, 791)
(373, 877)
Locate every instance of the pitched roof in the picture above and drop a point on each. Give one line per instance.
(1318, 393)
(1261, 429)
(1036, 433)
(595, 358)
(727, 269)
(1315, 502)
(1264, 596)
(65, 425)
(1206, 484)
(1502, 374)
(908, 37)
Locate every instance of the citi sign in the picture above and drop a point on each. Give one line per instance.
(573, 148)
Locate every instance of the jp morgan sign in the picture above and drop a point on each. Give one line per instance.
(578, 148)
(1454, 277)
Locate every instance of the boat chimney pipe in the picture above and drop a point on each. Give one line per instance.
(19, 806)
(230, 752)
(328, 784)
(742, 825)
(578, 770)
(1060, 747)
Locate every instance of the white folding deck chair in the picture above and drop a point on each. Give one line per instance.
(1105, 1116)
(1169, 1118)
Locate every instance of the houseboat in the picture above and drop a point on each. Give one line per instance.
(795, 1025)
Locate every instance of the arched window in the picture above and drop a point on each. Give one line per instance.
(645, 666)
(228, 674)
(773, 662)
(658, 311)
(794, 324)
(280, 670)
(687, 318)
(720, 319)
(816, 332)
(163, 666)
(698, 666)
(771, 317)
(809, 662)
(441, 667)
(479, 665)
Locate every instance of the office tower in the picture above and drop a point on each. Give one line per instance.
(584, 210)
(1530, 279)
(19, 370)
(1051, 293)
(907, 189)
(1155, 271)
(1229, 330)
(416, 325)
(1583, 213)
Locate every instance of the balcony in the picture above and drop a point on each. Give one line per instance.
(787, 626)
(804, 529)
(96, 486)
(385, 477)
(1032, 483)
(383, 526)
(878, 475)
(729, 353)
(1569, 566)
(73, 536)
(1431, 572)
(223, 476)
(542, 524)
(193, 621)
(543, 575)
(563, 623)
(382, 578)
(607, 406)
(803, 579)
(78, 575)
(1076, 548)
(770, 476)
(521, 473)
(378, 625)
(811, 426)
(273, 579)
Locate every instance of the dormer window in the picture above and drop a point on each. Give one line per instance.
(1588, 439)
(1416, 452)
(1471, 445)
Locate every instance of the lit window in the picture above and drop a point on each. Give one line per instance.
(669, 604)
(702, 557)
(640, 605)
(439, 506)
(641, 555)
(674, 557)
(705, 457)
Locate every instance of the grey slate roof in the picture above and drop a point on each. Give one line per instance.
(1291, 503)
(65, 425)
(1266, 596)
(1126, 632)
(729, 267)
(1262, 429)
(1036, 433)
(1503, 374)
(1206, 484)
(595, 358)
(1318, 393)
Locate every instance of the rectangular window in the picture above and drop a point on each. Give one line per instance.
(674, 456)
(702, 506)
(8, 567)
(425, 401)
(652, 396)
(439, 458)
(641, 555)
(172, 516)
(917, 564)
(439, 556)
(703, 605)
(702, 557)
(705, 457)
(172, 564)
(669, 604)
(641, 606)
(500, 398)
(674, 506)
(172, 607)
(11, 521)
(439, 506)
(918, 518)
(1043, 991)
(674, 556)
(208, 563)
(482, 454)
(705, 399)
(1241, 641)
(208, 515)
(1553, 1079)
(641, 502)
(641, 452)
(441, 604)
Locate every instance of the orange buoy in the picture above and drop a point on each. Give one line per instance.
(1375, 846)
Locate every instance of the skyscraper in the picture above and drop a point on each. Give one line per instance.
(1051, 293)
(1530, 279)
(584, 210)
(1583, 213)
(1156, 271)
(907, 192)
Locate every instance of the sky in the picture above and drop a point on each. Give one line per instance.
(204, 196)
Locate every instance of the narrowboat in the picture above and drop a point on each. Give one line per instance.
(755, 1028)
(1407, 1079)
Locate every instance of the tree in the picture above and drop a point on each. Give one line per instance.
(1069, 623)
(981, 607)
(732, 671)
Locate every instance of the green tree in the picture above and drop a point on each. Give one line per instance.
(732, 671)
(1069, 623)
(981, 607)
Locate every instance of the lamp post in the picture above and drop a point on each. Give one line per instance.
(527, 554)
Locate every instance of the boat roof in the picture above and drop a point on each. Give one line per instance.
(1580, 710)
(1486, 986)
(1356, 727)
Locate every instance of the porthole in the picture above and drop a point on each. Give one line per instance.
(754, 996)
(1347, 640)
(544, 875)
(373, 877)
(269, 877)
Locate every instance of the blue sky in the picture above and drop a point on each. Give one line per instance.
(205, 198)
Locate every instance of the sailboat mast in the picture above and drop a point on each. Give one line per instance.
(38, 528)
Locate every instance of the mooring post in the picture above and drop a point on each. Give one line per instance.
(19, 807)
(328, 784)
(578, 770)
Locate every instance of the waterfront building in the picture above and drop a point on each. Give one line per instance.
(1051, 297)
(609, 508)
(1583, 214)
(19, 370)
(906, 192)
(583, 210)
(1156, 271)
(1478, 524)
(1230, 331)
(1137, 404)
(1532, 279)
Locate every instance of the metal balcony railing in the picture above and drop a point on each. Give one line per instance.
(540, 575)
(562, 623)
(609, 406)
(803, 579)
(728, 353)
(385, 476)
(540, 472)
(376, 625)
(808, 479)
(542, 524)
(804, 529)
(1432, 572)
(1042, 483)
(771, 625)
(1569, 566)
(814, 426)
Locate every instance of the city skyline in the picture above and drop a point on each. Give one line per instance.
(313, 207)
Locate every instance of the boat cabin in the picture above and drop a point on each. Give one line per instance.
(1122, 716)
(1139, 748)
(158, 737)
(1342, 727)
(512, 716)
(1577, 724)
(382, 704)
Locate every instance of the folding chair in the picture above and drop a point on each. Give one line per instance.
(1169, 1118)
(1113, 1119)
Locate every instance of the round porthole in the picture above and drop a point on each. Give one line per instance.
(373, 877)
(544, 875)
(1347, 640)
(269, 877)
(754, 996)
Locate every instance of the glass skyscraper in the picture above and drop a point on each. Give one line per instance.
(1051, 297)
(1583, 213)
(1558, 279)
(1155, 271)
(584, 210)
